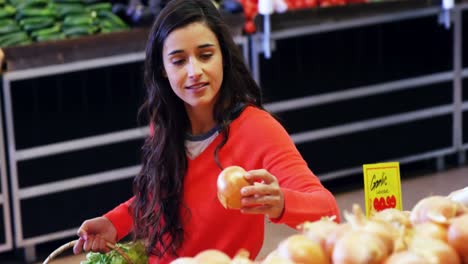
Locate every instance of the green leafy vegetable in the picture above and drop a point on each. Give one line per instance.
(134, 250)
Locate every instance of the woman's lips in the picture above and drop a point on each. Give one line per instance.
(197, 85)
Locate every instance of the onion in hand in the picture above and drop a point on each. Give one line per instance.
(230, 182)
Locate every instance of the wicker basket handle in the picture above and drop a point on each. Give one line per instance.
(70, 244)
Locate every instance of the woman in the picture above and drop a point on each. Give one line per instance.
(206, 114)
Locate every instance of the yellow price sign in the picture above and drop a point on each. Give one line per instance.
(382, 187)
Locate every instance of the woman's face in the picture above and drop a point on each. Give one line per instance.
(193, 63)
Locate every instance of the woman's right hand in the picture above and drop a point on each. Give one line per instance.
(94, 234)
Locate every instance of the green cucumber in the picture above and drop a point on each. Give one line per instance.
(35, 23)
(7, 22)
(13, 39)
(36, 12)
(103, 14)
(51, 37)
(99, 6)
(47, 31)
(11, 28)
(110, 25)
(33, 4)
(7, 11)
(79, 31)
(70, 9)
(78, 20)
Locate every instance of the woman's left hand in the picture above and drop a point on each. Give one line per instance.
(264, 197)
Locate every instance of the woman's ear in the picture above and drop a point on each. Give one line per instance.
(164, 73)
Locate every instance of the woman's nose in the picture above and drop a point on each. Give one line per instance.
(194, 69)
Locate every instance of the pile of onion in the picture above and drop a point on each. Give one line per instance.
(230, 182)
(319, 231)
(368, 241)
(434, 232)
(438, 209)
(299, 249)
(394, 216)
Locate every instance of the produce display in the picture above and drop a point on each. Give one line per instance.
(435, 231)
(134, 250)
(25, 21)
(250, 7)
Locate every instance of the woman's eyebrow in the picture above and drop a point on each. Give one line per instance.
(207, 45)
(174, 52)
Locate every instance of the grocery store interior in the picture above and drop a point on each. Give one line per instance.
(354, 82)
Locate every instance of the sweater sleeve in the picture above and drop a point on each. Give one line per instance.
(305, 198)
(121, 218)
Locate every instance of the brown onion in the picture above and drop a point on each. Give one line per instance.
(437, 209)
(230, 181)
(393, 216)
(405, 257)
(334, 236)
(357, 247)
(299, 249)
(432, 230)
(212, 256)
(318, 231)
(457, 236)
(434, 250)
(384, 230)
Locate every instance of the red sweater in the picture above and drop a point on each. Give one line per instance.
(256, 141)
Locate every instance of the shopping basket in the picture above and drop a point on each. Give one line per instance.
(70, 244)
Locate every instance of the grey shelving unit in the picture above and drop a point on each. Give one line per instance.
(290, 26)
(6, 238)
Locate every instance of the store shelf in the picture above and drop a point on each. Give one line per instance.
(301, 20)
(317, 142)
(133, 41)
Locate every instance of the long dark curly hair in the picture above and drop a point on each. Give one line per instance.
(158, 208)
